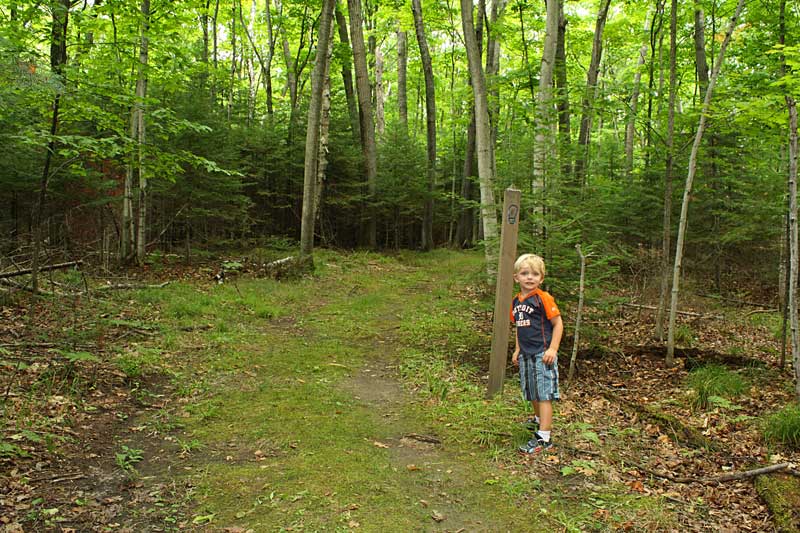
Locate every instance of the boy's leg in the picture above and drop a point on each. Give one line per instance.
(545, 412)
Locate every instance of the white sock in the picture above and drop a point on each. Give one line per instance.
(544, 435)
(536, 418)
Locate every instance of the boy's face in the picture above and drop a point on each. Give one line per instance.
(528, 279)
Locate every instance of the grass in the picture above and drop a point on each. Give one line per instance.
(783, 427)
(714, 384)
(278, 435)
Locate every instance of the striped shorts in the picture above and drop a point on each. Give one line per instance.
(539, 381)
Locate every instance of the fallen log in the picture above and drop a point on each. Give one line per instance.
(45, 268)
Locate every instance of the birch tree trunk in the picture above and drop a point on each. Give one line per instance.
(58, 59)
(365, 117)
(313, 132)
(587, 104)
(139, 105)
(666, 235)
(793, 242)
(689, 180)
(482, 138)
(324, 128)
(562, 90)
(430, 116)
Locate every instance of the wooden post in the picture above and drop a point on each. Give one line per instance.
(503, 291)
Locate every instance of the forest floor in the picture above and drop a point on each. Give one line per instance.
(353, 400)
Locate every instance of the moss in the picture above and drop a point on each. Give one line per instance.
(781, 493)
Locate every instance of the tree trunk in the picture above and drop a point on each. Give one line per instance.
(793, 242)
(700, 49)
(313, 131)
(402, 84)
(365, 116)
(630, 127)
(265, 64)
(347, 75)
(482, 138)
(380, 116)
(270, 56)
(430, 114)
(324, 128)
(544, 143)
(215, 50)
(464, 236)
(666, 246)
(689, 180)
(492, 69)
(141, 94)
(588, 96)
(58, 58)
(562, 91)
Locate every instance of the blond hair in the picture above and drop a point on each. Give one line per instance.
(532, 261)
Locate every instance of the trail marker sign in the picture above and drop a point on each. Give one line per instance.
(504, 290)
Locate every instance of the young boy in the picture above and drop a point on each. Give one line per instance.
(538, 335)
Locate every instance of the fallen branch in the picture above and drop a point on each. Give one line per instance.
(41, 269)
(126, 286)
(422, 438)
(733, 476)
(684, 313)
(733, 300)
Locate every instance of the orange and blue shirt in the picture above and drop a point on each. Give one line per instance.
(532, 314)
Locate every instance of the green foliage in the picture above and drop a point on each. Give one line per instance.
(783, 427)
(136, 363)
(713, 385)
(127, 458)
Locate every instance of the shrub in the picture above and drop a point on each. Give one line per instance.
(783, 427)
(712, 382)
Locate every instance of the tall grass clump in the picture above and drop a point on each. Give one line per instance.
(783, 427)
(710, 383)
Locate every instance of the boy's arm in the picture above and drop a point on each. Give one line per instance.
(515, 356)
(558, 330)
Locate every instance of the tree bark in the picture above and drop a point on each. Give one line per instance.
(402, 83)
(380, 115)
(347, 75)
(630, 127)
(793, 242)
(430, 115)
(482, 138)
(139, 105)
(562, 91)
(58, 58)
(365, 116)
(689, 180)
(700, 49)
(313, 131)
(666, 246)
(544, 144)
(589, 94)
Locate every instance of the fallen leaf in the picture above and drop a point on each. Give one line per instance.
(436, 515)
(379, 444)
(412, 468)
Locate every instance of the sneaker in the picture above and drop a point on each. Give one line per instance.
(531, 425)
(536, 445)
